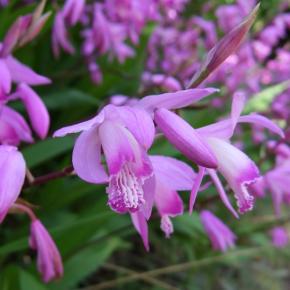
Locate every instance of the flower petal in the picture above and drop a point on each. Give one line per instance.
(17, 122)
(176, 174)
(222, 129)
(12, 168)
(83, 126)
(175, 100)
(5, 84)
(238, 104)
(36, 109)
(222, 192)
(22, 73)
(120, 146)
(149, 194)
(195, 188)
(185, 138)
(136, 120)
(87, 157)
(238, 169)
(262, 121)
(141, 226)
(168, 202)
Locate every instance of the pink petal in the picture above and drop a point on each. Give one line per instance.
(176, 174)
(141, 226)
(238, 104)
(168, 202)
(87, 157)
(184, 138)
(36, 110)
(262, 121)
(17, 122)
(12, 168)
(5, 76)
(22, 73)
(175, 100)
(83, 126)
(195, 188)
(222, 129)
(120, 147)
(222, 192)
(149, 194)
(136, 120)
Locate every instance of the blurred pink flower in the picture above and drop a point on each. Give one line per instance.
(280, 237)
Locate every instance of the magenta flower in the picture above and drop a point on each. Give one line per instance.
(209, 147)
(221, 237)
(49, 261)
(280, 237)
(124, 134)
(170, 176)
(13, 127)
(12, 168)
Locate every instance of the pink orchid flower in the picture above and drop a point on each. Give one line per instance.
(49, 261)
(221, 237)
(280, 237)
(213, 140)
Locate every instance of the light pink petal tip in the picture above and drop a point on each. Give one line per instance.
(195, 188)
(141, 227)
(87, 157)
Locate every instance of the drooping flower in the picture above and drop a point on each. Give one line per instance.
(49, 262)
(221, 237)
(170, 176)
(12, 170)
(280, 237)
(237, 168)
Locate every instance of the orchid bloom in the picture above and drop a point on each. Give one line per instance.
(221, 237)
(49, 262)
(213, 140)
(280, 237)
(171, 175)
(12, 168)
(125, 134)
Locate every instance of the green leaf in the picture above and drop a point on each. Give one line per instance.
(9, 278)
(85, 262)
(45, 150)
(28, 281)
(261, 101)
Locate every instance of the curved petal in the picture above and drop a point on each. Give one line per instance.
(120, 146)
(168, 202)
(176, 174)
(83, 126)
(238, 104)
(238, 169)
(136, 120)
(5, 84)
(36, 109)
(175, 100)
(180, 134)
(149, 194)
(141, 227)
(222, 129)
(22, 73)
(12, 168)
(262, 121)
(17, 122)
(87, 157)
(195, 188)
(222, 192)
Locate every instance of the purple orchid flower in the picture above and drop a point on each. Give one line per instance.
(280, 237)
(12, 168)
(124, 133)
(170, 175)
(221, 237)
(49, 262)
(213, 140)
